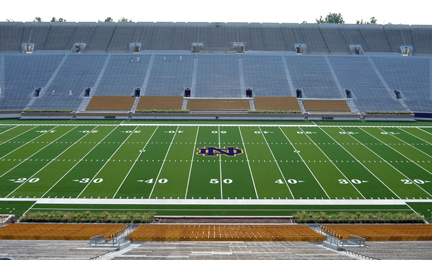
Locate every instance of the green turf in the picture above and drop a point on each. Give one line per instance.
(142, 161)
(223, 210)
(15, 207)
(423, 208)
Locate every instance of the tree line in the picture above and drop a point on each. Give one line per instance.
(330, 18)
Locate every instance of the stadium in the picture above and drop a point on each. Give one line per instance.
(215, 140)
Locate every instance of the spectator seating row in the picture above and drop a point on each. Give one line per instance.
(276, 103)
(160, 103)
(111, 103)
(382, 232)
(59, 231)
(225, 233)
(218, 104)
(326, 105)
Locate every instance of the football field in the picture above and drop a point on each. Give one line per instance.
(205, 163)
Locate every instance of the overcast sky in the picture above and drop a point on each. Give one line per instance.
(396, 12)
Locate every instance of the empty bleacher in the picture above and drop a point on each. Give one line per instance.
(160, 103)
(59, 231)
(265, 75)
(49, 249)
(111, 103)
(23, 75)
(170, 77)
(116, 37)
(231, 250)
(411, 77)
(77, 73)
(218, 76)
(358, 75)
(326, 105)
(122, 77)
(419, 250)
(218, 104)
(276, 103)
(312, 75)
(225, 233)
(382, 232)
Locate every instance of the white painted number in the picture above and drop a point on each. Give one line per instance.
(343, 181)
(418, 181)
(279, 181)
(227, 181)
(20, 180)
(130, 132)
(34, 180)
(98, 180)
(163, 181)
(84, 180)
(292, 181)
(257, 132)
(355, 181)
(149, 181)
(214, 181)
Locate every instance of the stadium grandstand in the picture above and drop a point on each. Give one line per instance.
(215, 141)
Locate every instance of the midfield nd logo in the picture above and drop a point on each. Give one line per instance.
(213, 151)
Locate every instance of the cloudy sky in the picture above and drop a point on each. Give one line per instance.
(396, 12)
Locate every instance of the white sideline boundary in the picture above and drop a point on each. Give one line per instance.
(219, 201)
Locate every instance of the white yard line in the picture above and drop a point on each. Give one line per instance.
(49, 161)
(103, 166)
(411, 144)
(78, 161)
(17, 135)
(389, 164)
(220, 163)
(333, 164)
(26, 143)
(247, 159)
(361, 163)
(29, 209)
(420, 128)
(301, 158)
(415, 136)
(9, 129)
(274, 158)
(135, 162)
(190, 169)
(398, 151)
(166, 155)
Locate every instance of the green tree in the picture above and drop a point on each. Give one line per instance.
(60, 20)
(123, 19)
(9, 20)
(108, 20)
(331, 18)
(372, 20)
(37, 19)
